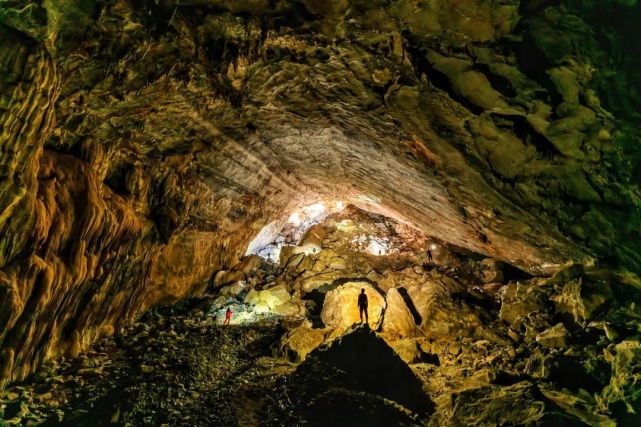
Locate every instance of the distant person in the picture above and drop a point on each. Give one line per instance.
(429, 256)
(362, 305)
(228, 316)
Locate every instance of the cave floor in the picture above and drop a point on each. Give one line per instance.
(174, 367)
(178, 366)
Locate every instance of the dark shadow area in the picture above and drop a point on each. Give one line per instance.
(570, 373)
(512, 273)
(410, 305)
(429, 358)
(349, 382)
(340, 407)
(506, 378)
(318, 298)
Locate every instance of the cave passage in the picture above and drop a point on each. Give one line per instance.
(458, 324)
(193, 194)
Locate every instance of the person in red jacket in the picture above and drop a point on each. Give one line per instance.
(227, 316)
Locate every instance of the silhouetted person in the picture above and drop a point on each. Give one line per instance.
(429, 255)
(227, 316)
(362, 305)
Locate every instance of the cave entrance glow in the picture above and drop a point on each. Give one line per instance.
(268, 243)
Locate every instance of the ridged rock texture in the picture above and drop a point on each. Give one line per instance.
(145, 143)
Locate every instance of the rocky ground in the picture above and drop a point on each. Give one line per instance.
(457, 341)
(179, 366)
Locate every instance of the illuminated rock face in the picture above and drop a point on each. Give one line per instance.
(340, 309)
(143, 146)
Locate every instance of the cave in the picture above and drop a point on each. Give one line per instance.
(193, 195)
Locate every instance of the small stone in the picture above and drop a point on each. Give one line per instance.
(512, 334)
(145, 369)
(482, 344)
(86, 372)
(11, 395)
(44, 397)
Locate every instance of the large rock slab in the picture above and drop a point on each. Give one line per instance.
(398, 320)
(301, 341)
(518, 300)
(268, 299)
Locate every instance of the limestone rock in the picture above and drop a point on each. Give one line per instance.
(554, 337)
(518, 300)
(398, 319)
(581, 299)
(491, 270)
(303, 340)
(340, 308)
(268, 299)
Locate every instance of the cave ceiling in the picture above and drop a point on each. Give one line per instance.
(144, 144)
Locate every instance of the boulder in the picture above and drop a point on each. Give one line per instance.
(581, 299)
(406, 349)
(440, 316)
(301, 341)
(286, 252)
(218, 278)
(227, 277)
(294, 307)
(336, 263)
(491, 271)
(554, 337)
(268, 299)
(475, 404)
(625, 359)
(234, 289)
(248, 264)
(398, 319)
(314, 282)
(314, 236)
(340, 308)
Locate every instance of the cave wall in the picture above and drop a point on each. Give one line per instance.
(145, 143)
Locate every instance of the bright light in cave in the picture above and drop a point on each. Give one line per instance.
(432, 247)
(271, 239)
(377, 247)
(294, 219)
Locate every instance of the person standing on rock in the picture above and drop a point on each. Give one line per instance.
(362, 305)
(429, 255)
(227, 316)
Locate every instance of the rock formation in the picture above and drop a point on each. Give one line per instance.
(144, 145)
